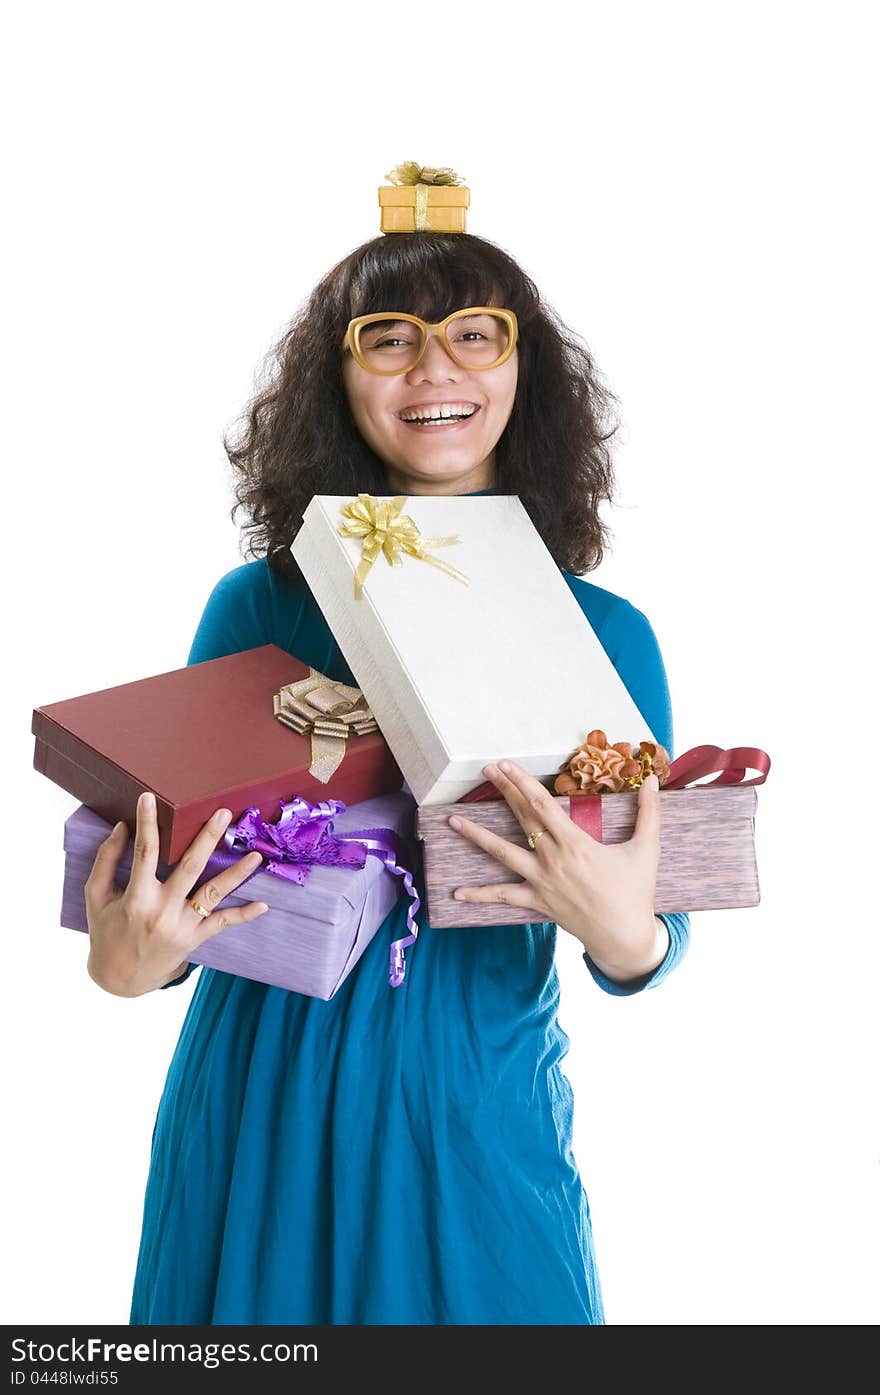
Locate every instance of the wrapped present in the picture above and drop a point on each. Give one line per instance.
(707, 838)
(330, 877)
(224, 733)
(423, 199)
(452, 643)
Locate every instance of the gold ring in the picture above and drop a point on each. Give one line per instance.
(533, 837)
(200, 910)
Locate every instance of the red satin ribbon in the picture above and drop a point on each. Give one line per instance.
(586, 809)
(476, 796)
(733, 764)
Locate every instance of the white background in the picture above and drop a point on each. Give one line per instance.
(689, 185)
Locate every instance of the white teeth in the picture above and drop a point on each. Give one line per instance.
(438, 413)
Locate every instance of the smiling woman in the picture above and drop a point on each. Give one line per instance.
(315, 430)
(403, 1155)
(466, 365)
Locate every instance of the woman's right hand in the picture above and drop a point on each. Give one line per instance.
(140, 937)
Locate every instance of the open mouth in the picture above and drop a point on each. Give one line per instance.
(450, 421)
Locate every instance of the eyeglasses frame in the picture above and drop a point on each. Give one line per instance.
(351, 342)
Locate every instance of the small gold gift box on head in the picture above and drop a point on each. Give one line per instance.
(422, 198)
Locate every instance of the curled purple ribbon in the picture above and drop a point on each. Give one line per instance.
(302, 837)
(385, 843)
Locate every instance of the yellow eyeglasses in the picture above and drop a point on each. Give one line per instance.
(392, 341)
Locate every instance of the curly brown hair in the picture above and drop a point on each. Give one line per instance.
(298, 437)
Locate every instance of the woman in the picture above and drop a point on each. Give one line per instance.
(395, 1155)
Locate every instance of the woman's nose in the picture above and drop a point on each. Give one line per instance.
(437, 361)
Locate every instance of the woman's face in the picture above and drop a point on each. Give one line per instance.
(445, 459)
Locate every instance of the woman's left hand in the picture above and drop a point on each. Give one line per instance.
(602, 894)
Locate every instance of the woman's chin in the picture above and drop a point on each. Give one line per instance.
(454, 475)
(444, 455)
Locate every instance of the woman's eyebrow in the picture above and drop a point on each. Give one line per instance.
(375, 324)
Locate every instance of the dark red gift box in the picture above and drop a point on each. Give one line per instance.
(201, 738)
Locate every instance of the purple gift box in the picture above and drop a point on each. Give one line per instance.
(320, 918)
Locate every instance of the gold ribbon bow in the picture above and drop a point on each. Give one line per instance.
(384, 528)
(422, 176)
(328, 712)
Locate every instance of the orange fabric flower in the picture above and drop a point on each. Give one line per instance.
(597, 768)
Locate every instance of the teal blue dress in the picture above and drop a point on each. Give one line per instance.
(394, 1155)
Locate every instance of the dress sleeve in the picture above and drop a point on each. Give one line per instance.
(632, 647)
(237, 616)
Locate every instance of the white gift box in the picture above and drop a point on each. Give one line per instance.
(457, 675)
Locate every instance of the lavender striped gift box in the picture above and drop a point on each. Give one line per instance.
(707, 852)
(311, 937)
(707, 838)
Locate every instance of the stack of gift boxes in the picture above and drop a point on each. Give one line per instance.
(452, 615)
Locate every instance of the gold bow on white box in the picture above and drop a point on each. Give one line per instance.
(384, 528)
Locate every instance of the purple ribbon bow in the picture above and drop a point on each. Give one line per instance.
(302, 837)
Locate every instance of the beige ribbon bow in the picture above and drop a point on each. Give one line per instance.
(328, 712)
(383, 527)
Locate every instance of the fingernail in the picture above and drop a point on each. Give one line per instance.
(458, 895)
(263, 907)
(455, 821)
(652, 782)
(505, 765)
(117, 828)
(491, 771)
(222, 815)
(148, 801)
